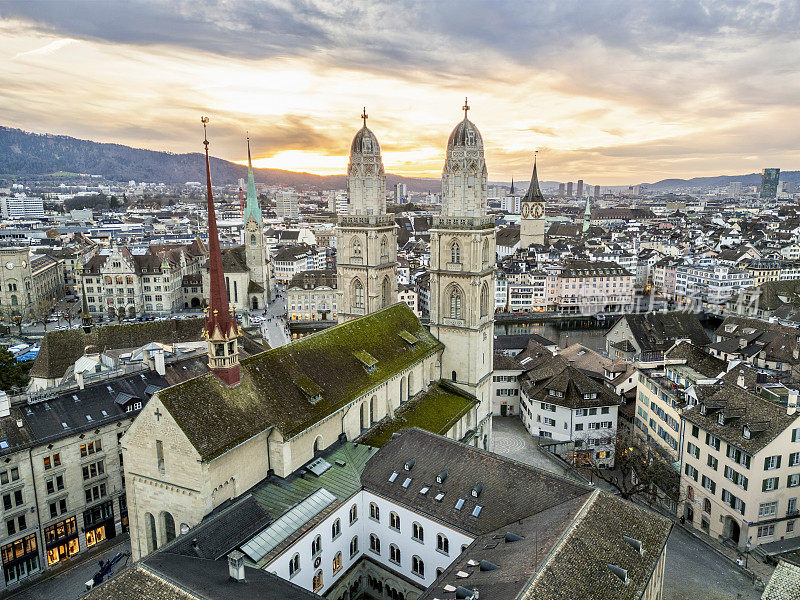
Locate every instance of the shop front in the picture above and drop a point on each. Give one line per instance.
(20, 558)
(123, 513)
(98, 523)
(61, 541)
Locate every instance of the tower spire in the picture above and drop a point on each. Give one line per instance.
(534, 193)
(512, 185)
(465, 108)
(221, 329)
(252, 208)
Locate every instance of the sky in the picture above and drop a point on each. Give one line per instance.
(613, 93)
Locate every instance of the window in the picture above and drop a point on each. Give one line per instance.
(455, 303)
(394, 521)
(374, 511)
(767, 509)
(709, 484)
(693, 450)
(766, 530)
(52, 461)
(336, 529)
(712, 462)
(10, 475)
(95, 492)
(455, 253)
(417, 532)
(713, 441)
(91, 448)
(691, 471)
(54, 484)
(316, 545)
(772, 462)
(417, 566)
(442, 544)
(353, 514)
(374, 543)
(793, 480)
(769, 484)
(789, 526)
(91, 470)
(354, 546)
(794, 459)
(707, 505)
(484, 299)
(394, 554)
(317, 580)
(160, 455)
(337, 562)
(358, 294)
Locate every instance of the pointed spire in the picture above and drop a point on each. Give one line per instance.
(534, 194)
(512, 186)
(364, 116)
(465, 108)
(252, 207)
(219, 316)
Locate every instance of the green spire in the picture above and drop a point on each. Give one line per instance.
(587, 216)
(252, 207)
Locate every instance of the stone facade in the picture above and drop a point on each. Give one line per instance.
(28, 285)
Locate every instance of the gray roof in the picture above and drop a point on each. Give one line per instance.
(784, 583)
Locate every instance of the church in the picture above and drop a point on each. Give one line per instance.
(205, 442)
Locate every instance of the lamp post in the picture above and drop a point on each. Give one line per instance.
(746, 552)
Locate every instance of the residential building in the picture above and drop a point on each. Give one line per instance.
(29, 285)
(589, 287)
(645, 337)
(409, 295)
(311, 296)
(22, 206)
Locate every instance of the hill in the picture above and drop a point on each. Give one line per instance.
(718, 181)
(30, 154)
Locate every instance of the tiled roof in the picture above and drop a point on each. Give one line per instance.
(574, 385)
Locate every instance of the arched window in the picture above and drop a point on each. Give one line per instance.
(316, 545)
(353, 514)
(454, 376)
(358, 294)
(417, 566)
(455, 303)
(707, 505)
(363, 416)
(294, 565)
(442, 544)
(394, 554)
(690, 493)
(169, 527)
(318, 580)
(374, 511)
(318, 445)
(372, 410)
(484, 299)
(417, 532)
(337, 562)
(384, 250)
(14, 301)
(385, 294)
(252, 239)
(486, 251)
(336, 529)
(455, 252)
(357, 250)
(374, 543)
(152, 537)
(394, 521)
(354, 546)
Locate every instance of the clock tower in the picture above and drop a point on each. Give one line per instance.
(256, 254)
(533, 216)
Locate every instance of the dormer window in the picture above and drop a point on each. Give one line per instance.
(746, 432)
(703, 409)
(366, 359)
(721, 419)
(590, 396)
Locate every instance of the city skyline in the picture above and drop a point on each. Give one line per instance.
(612, 93)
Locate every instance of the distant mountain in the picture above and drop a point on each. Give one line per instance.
(718, 181)
(29, 154)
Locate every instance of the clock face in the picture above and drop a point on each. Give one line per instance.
(538, 210)
(9, 265)
(526, 210)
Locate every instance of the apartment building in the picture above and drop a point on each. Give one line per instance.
(311, 296)
(709, 286)
(121, 283)
(409, 295)
(740, 475)
(587, 287)
(29, 285)
(62, 481)
(291, 260)
(506, 385)
(572, 407)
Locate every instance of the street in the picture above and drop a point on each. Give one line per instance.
(70, 583)
(275, 330)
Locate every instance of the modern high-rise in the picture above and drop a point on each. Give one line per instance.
(561, 190)
(597, 191)
(580, 188)
(769, 183)
(400, 193)
(287, 205)
(569, 189)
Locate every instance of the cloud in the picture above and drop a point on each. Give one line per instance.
(50, 48)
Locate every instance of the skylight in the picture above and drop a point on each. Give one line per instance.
(477, 510)
(439, 496)
(392, 477)
(424, 490)
(459, 504)
(407, 482)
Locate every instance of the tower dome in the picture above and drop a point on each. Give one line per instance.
(365, 143)
(366, 179)
(464, 176)
(465, 135)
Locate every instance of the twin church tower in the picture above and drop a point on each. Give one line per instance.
(462, 253)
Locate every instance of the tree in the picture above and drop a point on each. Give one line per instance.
(13, 375)
(639, 471)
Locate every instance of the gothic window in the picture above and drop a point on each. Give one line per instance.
(486, 251)
(358, 294)
(417, 566)
(455, 303)
(252, 239)
(442, 544)
(385, 292)
(384, 250)
(294, 564)
(484, 299)
(317, 585)
(455, 253)
(394, 553)
(357, 250)
(417, 532)
(169, 527)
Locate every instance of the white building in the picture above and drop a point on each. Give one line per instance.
(22, 206)
(287, 205)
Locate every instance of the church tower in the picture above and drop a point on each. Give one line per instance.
(533, 214)
(587, 216)
(462, 266)
(366, 237)
(221, 331)
(256, 254)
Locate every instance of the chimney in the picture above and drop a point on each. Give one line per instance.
(796, 352)
(236, 566)
(740, 380)
(791, 402)
(79, 379)
(158, 360)
(742, 342)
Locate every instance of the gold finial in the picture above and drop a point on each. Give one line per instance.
(465, 108)
(364, 116)
(535, 152)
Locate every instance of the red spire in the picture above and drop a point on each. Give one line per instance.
(219, 315)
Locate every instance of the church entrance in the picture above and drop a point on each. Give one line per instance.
(195, 302)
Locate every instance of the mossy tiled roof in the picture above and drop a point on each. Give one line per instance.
(60, 349)
(436, 411)
(274, 383)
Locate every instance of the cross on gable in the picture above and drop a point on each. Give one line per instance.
(364, 116)
(158, 414)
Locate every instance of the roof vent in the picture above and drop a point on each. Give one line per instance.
(634, 543)
(512, 537)
(409, 464)
(619, 572)
(441, 477)
(476, 491)
(463, 593)
(488, 566)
